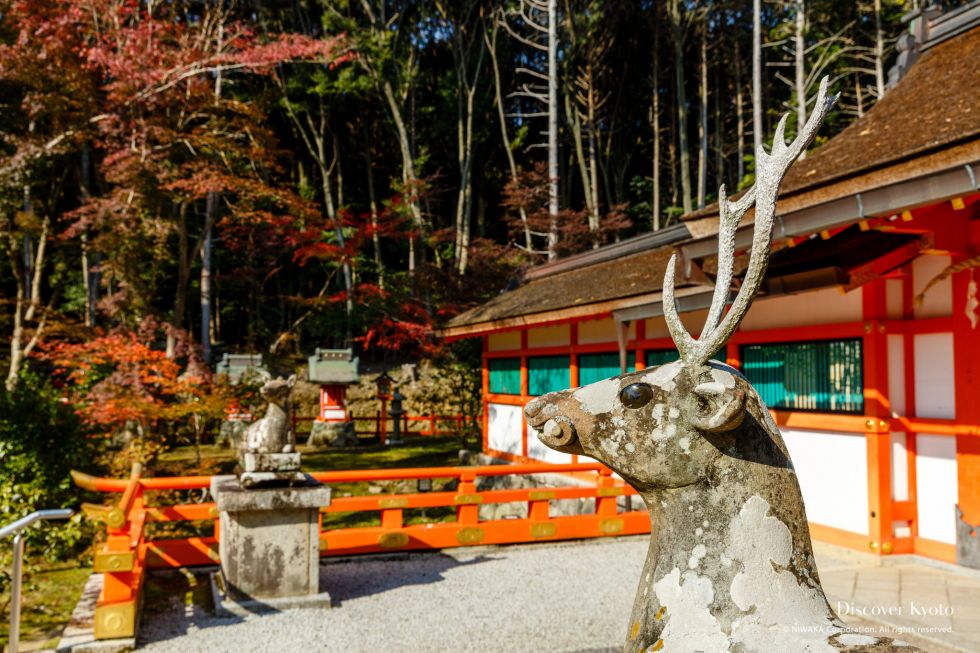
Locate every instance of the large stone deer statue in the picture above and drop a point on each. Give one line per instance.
(730, 566)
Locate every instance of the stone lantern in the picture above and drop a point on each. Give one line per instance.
(334, 370)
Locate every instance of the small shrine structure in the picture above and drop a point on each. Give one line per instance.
(333, 370)
(235, 368)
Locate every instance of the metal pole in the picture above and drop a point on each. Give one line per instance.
(17, 572)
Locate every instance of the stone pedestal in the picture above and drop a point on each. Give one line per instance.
(270, 540)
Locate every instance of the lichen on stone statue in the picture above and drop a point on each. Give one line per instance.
(730, 566)
(268, 456)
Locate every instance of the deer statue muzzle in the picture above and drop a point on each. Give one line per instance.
(730, 565)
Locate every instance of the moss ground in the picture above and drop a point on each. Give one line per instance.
(49, 596)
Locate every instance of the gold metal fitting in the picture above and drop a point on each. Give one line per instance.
(609, 491)
(112, 561)
(469, 535)
(115, 620)
(392, 540)
(611, 526)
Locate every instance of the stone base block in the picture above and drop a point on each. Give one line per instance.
(270, 538)
(227, 606)
(258, 480)
(270, 462)
(332, 434)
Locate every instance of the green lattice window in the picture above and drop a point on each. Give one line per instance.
(660, 357)
(823, 376)
(596, 367)
(548, 373)
(505, 376)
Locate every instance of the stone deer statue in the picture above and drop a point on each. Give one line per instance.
(730, 566)
(273, 433)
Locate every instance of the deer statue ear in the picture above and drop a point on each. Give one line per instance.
(291, 381)
(716, 408)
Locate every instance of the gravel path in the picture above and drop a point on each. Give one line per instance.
(572, 597)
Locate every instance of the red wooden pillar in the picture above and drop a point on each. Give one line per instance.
(877, 409)
(524, 392)
(966, 351)
(486, 391)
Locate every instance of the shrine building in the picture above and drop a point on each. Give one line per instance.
(863, 341)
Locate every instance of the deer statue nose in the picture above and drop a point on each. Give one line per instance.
(558, 432)
(533, 408)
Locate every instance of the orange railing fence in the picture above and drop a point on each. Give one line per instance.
(130, 547)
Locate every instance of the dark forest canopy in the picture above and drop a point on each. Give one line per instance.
(275, 176)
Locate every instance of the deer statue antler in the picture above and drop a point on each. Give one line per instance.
(769, 171)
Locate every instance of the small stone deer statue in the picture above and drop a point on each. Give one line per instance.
(273, 433)
(730, 566)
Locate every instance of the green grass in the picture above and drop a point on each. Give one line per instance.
(417, 452)
(49, 596)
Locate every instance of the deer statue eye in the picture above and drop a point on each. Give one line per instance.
(636, 395)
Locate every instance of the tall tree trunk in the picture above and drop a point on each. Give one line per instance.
(739, 117)
(409, 180)
(703, 122)
(491, 42)
(27, 301)
(553, 129)
(89, 283)
(677, 30)
(859, 96)
(211, 211)
(379, 265)
(757, 76)
(800, 67)
(575, 120)
(183, 277)
(879, 52)
(655, 119)
(593, 158)
(466, 99)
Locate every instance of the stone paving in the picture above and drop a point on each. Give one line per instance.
(934, 605)
(572, 597)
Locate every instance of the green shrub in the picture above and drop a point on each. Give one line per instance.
(41, 440)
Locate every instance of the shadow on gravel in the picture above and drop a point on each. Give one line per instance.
(173, 601)
(352, 579)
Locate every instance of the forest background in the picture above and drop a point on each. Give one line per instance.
(186, 178)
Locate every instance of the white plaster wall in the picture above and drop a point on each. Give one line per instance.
(504, 428)
(938, 301)
(538, 451)
(504, 341)
(935, 391)
(893, 299)
(604, 330)
(896, 374)
(936, 486)
(833, 473)
(900, 467)
(656, 327)
(551, 336)
(826, 306)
